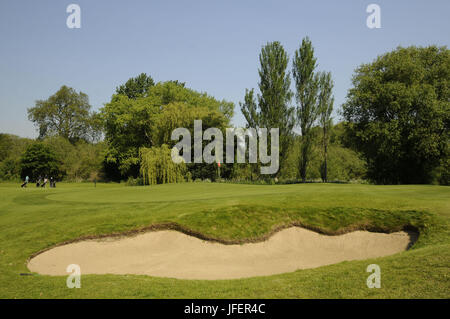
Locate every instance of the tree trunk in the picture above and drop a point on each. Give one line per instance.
(304, 158)
(324, 168)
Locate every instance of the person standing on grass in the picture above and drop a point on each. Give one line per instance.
(25, 182)
(45, 182)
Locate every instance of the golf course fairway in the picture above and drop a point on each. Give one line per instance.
(34, 222)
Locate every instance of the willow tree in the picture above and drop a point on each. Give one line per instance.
(157, 166)
(132, 123)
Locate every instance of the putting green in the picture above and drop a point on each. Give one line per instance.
(162, 193)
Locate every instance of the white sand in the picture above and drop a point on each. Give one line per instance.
(174, 254)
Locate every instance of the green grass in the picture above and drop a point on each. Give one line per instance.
(34, 219)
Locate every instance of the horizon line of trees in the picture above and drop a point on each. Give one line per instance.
(395, 128)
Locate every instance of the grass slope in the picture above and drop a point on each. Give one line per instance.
(34, 219)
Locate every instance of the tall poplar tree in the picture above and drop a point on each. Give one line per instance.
(307, 87)
(326, 101)
(273, 108)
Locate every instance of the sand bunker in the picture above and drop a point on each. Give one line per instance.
(174, 254)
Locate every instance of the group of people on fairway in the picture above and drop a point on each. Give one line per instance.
(40, 182)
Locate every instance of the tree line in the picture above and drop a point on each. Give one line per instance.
(272, 106)
(394, 129)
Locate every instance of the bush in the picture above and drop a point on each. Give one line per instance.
(134, 181)
(441, 175)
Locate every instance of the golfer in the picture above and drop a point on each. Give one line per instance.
(26, 182)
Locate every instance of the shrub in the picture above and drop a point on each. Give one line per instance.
(135, 181)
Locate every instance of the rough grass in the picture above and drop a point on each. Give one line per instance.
(35, 219)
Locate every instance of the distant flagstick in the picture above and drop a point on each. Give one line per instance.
(218, 168)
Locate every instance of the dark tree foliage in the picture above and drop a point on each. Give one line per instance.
(39, 160)
(136, 87)
(398, 114)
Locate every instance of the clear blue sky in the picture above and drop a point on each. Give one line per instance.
(212, 45)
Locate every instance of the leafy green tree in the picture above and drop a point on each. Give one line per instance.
(273, 109)
(157, 166)
(136, 87)
(442, 173)
(5, 145)
(344, 164)
(66, 113)
(78, 161)
(148, 121)
(251, 112)
(249, 109)
(325, 101)
(11, 148)
(39, 160)
(307, 88)
(10, 169)
(180, 114)
(399, 113)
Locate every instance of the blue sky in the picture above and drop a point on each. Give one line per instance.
(211, 45)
